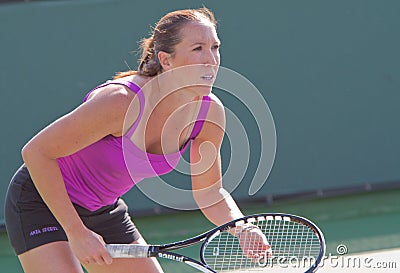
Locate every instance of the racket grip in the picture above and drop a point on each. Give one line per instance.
(128, 250)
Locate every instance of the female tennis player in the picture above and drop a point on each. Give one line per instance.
(64, 203)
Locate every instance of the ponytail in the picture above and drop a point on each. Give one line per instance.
(149, 64)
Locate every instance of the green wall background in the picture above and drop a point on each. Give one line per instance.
(329, 70)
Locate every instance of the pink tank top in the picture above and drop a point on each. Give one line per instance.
(100, 173)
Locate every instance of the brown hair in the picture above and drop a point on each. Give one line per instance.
(165, 36)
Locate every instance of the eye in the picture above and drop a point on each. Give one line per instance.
(197, 48)
(216, 46)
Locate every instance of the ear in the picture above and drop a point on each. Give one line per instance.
(164, 59)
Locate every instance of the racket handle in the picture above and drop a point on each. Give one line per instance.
(128, 250)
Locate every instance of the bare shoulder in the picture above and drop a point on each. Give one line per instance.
(114, 96)
(214, 125)
(216, 112)
(111, 91)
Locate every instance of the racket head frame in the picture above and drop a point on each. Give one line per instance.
(253, 219)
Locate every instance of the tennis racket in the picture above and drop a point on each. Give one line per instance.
(294, 244)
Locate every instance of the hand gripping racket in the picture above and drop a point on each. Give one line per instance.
(295, 244)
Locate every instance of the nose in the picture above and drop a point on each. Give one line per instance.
(212, 58)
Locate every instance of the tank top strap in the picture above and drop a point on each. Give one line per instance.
(134, 88)
(138, 91)
(91, 91)
(201, 117)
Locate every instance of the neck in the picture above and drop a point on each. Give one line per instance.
(166, 94)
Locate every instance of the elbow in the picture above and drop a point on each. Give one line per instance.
(31, 152)
(27, 152)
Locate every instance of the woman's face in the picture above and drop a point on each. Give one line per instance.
(196, 58)
(199, 45)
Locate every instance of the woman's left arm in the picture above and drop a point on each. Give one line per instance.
(214, 201)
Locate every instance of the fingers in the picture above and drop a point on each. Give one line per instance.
(255, 245)
(259, 254)
(107, 257)
(102, 258)
(89, 248)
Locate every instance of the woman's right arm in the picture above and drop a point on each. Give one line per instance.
(100, 116)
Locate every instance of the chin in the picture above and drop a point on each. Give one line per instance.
(203, 90)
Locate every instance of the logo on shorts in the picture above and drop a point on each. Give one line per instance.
(43, 230)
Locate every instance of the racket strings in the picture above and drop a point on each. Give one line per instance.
(292, 243)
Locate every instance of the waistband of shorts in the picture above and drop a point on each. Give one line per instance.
(85, 212)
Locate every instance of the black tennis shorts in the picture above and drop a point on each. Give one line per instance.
(30, 223)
